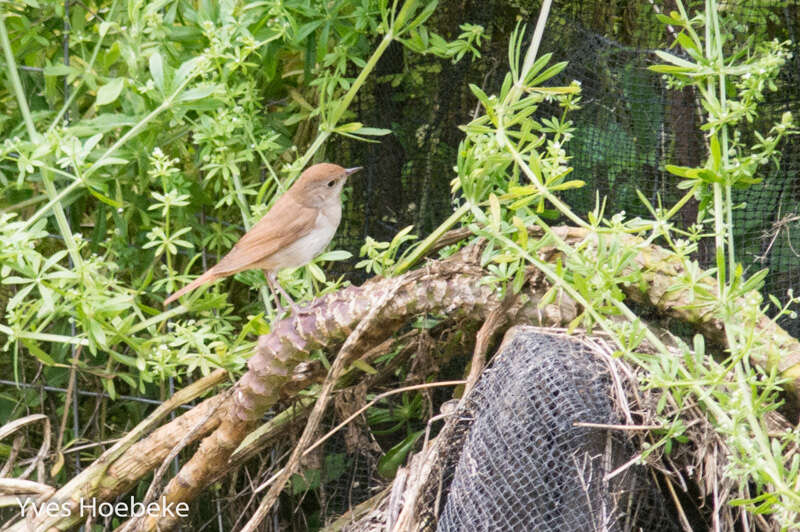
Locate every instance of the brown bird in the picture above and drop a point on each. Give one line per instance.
(295, 230)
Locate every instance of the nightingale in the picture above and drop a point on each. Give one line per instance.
(295, 230)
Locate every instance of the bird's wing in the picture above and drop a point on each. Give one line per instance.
(285, 222)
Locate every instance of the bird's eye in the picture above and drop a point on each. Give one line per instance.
(331, 183)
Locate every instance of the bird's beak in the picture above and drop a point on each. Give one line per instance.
(351, 171)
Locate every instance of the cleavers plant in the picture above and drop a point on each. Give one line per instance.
(511, 168)
(141, 141)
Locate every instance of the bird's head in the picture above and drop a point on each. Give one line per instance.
(321, 184)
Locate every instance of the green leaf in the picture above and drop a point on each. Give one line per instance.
(494, 212)
(670, 20)
(58, 70)
(306, 29)
(568, 185)
(682, 171)
(363, 366)
(687, 43)
(668, 69)
(309, 479)
(709, 176)
(105, 199)
(351, 127)
(539, 64)
(675, 60)
(109, 92)
(186, 69)
(388, 463)
(424, 15)
(316, 272)
(549, 73)
(157, 70)
(755, 281)
(478, 92)
(103, 123)
(110, 161)
(197, 93)
(716, 152)
(522, 232)
(699, 346)
(373, 131)
(38, 352)
(548, 297)
(334, 255)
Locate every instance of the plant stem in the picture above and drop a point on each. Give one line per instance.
(344, 103)
(132, 132)
(43, 337)
(89, 68)
(422, 248)
(533, 50)
(61, 218)
(330, 123)
(723, 99)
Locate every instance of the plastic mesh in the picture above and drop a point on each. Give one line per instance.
(630, 126)
(525, 466)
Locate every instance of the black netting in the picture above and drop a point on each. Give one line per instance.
(524, 465)
(348, 476)
(629, 126)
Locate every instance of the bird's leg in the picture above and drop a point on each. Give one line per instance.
(275, 287)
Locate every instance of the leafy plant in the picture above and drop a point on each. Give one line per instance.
(398, 416)
(512, 168)
(381, 255)
(139, 144)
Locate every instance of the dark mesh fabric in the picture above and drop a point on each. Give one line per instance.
(630, 126)
(525, 466)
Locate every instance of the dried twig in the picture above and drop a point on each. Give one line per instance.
(337, 368)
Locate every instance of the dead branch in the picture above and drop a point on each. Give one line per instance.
(452, 287)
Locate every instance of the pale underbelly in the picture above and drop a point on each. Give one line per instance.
(301, 251)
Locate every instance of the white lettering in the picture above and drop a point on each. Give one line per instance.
(24, 505)
(92, 508)
(137, 508)
(106, 509)
(167, 507)
(121, 509)
(124, 509)
(50, 509)
(152, 509)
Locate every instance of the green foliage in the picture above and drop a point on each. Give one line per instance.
(138, 159)
(513, 167)
(396, 456)
(411, 408)
(381, 255)
(336, 465)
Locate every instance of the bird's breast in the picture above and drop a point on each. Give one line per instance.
(304, 249)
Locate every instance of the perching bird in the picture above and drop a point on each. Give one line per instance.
(295, 230)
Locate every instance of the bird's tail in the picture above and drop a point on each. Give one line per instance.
(207, 277)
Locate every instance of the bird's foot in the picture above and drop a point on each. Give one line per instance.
(276, 288)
